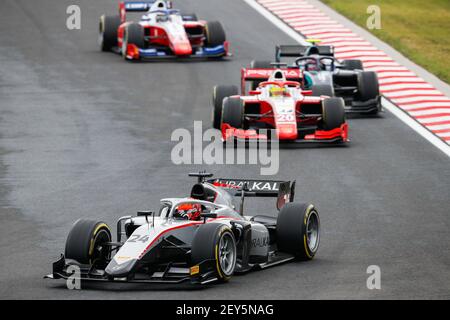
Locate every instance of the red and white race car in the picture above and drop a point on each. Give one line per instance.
(162, 32)
(280, 104)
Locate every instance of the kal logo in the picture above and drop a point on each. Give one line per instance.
(260, 242)
(252, 185)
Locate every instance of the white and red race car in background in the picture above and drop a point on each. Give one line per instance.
(280, 104)
(162, 32)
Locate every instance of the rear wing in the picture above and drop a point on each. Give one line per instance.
(284, 191)
(252, 74)
(299, 51)
(137, 6)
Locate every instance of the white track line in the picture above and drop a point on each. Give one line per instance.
(413, 124)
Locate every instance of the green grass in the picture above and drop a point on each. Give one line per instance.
(419, 29)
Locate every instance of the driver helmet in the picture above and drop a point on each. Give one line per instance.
(188, 211)
(276, 91)
(312, 65)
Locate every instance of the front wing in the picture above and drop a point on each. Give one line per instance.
(199, 274)
(135, 53)
(335, 136)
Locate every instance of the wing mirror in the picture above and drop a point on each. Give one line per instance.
(207, 215)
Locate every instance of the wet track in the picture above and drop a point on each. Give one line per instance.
(85, 134)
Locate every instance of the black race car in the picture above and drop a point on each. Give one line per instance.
(325, 75)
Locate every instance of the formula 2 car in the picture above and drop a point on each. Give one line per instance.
(162, 32)
(345, 79)
(280, 104)
(198, 239)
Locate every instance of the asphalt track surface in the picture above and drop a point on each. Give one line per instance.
(85, 134)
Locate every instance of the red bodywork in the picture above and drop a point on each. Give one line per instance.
(296, 116)
(181, 42)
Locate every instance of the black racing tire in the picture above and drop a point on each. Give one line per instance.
(215, 34)
(189, 16)
(353, 65)
(133, 34)
(206, 246)
(368, 86)
(259, 64)
(233, 112)
(220, 93)
(108, 32)
(333, 113)
(295, 234)
(85, 239)
(322, 90)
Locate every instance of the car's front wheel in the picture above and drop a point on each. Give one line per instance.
(215, 34)
(108, 32)
(215, 242)
(86, 242)
(133, 34)
(333, 115)
(233, 112)
(219, 94)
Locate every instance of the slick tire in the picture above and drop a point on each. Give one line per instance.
(108, 32)
(322, 90)
(133, 34)
(233, 112)
(259, 64)
(215, 34)
(353, 65)
(368, 86)
(219, 94)
(333, 113)
(215, 242)
(298, 230)
(85, 241)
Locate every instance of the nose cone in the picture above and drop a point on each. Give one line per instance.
(120, 270)
(182, 49)
(287, 132)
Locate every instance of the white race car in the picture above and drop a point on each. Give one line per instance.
(162, 32)
(198, 239)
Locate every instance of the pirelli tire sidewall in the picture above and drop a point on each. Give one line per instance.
(219, 94)
(205, 246)
(108, 27)
(83, 239)
(292, 230)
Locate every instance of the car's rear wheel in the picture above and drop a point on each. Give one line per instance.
(85, 242)
(333, 115)
(298, 230)
(259, 64)
(233, 112)
(220, 93)
(215, 34)
(133, 34)
(108, 32)
(353, 65)
(215, 242)
(322, 90)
